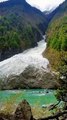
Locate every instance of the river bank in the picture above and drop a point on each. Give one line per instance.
(24, 112)
(39, 100)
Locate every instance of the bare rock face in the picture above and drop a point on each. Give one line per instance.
(38, 78)
(31, 77)
(23, 111)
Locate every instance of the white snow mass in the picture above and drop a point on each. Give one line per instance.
(18, 63)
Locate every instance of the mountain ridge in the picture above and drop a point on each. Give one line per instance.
(57, 38)
(27, 24)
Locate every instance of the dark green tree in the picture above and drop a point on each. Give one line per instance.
(62, 92)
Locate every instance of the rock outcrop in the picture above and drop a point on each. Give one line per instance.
(23, 112)
(31, 78)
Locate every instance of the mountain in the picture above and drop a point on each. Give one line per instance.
(57, 36)
(50, 15)
(21, 26)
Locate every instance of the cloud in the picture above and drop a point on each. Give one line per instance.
(2, 0)
(45, 4)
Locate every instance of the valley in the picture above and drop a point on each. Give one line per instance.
(33, 62)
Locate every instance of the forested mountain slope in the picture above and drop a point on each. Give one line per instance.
(21, 26)
(57, 37)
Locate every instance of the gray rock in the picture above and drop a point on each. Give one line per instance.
(23, 111)
(31, 78)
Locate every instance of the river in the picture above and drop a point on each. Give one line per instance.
(39, 98)
(31, 57)
(16, 65)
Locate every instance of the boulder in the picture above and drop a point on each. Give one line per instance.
(23, 111)
(31, 77)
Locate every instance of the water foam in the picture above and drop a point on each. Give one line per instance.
(30, 57)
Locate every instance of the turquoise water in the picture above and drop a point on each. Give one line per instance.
(37, 97)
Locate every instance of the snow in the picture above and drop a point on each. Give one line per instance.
(31, 57)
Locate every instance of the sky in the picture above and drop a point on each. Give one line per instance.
(44, 5)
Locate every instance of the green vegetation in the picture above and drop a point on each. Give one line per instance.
(55, 57)
(57, 34)
(11, 37)
(57, 37)
(56, 50)
(62, 79)
(21, 27)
